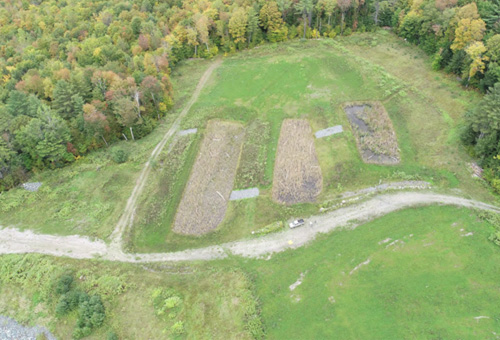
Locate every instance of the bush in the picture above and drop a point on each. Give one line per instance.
(112, 336)
(164, 300)
(119, 156)
(177, 328)
(67, 302)
(64, 284)
(270, 228)
(437, 62)
(91, 312)
(91, 315)
(495, 237)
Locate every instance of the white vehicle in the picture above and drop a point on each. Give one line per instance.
(296, 223)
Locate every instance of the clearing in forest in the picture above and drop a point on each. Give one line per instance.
(205, 198)
(374, 133)
(297, 174)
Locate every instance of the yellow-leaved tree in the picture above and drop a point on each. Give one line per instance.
(476, 52)
(470, 27)
(238, 25)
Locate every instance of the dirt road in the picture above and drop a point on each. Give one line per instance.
(14, 241)
(127, 217)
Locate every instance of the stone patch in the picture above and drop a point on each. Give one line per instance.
(33, 186)
(329, 131)
(187, 132)
(242, 194)
(11, 330)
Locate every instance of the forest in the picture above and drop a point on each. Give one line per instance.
(80, 75)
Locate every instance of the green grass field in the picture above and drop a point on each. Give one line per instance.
(430, 284)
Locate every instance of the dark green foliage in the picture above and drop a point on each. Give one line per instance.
(410, 29)
(45, 138)
(68, 302)
(91, 312)
(91, 315)
(483, 132)
(19, 104)
(62, 102)
(136, 25)
(485, 118)
(457, 63)
(64, 284)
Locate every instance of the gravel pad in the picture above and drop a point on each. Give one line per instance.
(329, 131)
(242, 194)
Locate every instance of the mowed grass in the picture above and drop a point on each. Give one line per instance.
(430, 283)
(88, 197)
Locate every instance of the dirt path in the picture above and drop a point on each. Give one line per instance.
(128, 213)
(14, 241)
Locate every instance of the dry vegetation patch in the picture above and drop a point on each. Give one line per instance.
(374, 132)
(297, 174)
(204, 202)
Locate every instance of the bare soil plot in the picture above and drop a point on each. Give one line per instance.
(374, 133)
(297, 174)
(205, 198)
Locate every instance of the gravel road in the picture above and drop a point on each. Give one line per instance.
(14, 241)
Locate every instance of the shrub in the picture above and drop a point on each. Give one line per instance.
(112, 336)
(164, 300)
(67, 302)
(495, 237)
(177, 328)
(172, 302)
(64, 284)
(91, 312)
(119, 156)
(91, 315)
(270, 228)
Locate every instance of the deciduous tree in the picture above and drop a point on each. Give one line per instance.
(238, 25)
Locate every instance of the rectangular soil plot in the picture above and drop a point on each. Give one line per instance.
(374, 133)
(297, 175)
(205, 198)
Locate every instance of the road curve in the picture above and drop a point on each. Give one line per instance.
(13, 241)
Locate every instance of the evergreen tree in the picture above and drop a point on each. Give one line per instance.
(62, 102)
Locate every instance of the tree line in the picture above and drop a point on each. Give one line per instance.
(80, 75)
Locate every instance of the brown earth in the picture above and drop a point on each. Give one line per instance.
(205, 198)
(297, 174)
(374, 133)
